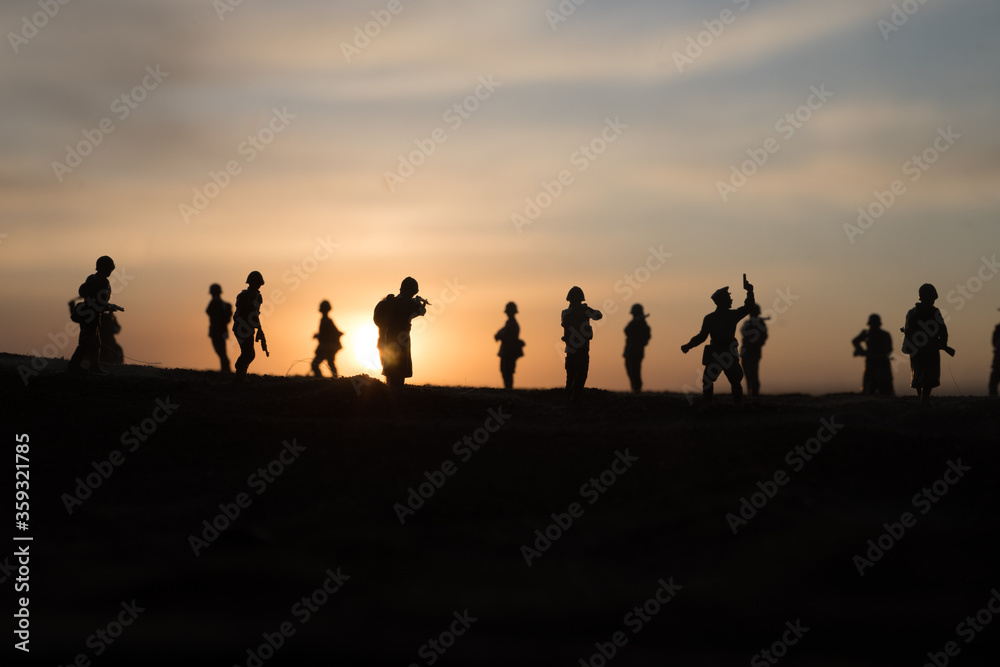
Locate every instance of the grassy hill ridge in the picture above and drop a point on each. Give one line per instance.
(345, 457)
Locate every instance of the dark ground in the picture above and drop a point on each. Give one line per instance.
(332, 507)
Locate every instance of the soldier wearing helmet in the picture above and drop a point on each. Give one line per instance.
(754, 333)
(924, 336)
(96, 295)
(219, 314)
(577, 334)
(329, 341)
(393, 316)
(876, 351)
(637, 335)
(246, 324)
(722, 354)
(511, 346)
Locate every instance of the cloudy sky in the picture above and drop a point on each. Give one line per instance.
(648, 152)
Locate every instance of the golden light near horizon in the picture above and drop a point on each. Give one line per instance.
(364, 345)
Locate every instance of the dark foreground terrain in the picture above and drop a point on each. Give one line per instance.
(115, 535)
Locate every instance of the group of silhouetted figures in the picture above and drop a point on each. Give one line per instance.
(721, 355)
(248, 330)
(924, 337)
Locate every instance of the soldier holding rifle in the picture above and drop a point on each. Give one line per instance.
(246, 324)
(924, 336)
(393, 317)
(875, 345)
(96, 295)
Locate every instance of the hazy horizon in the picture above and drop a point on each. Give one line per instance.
(507, 153)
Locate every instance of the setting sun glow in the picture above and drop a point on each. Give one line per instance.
(365, 350)
(838, 166)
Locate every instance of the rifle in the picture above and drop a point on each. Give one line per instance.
(421, 300)
(82, 312)
(947, 348)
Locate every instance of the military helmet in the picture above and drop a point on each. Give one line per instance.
(510, 308)
(409, 286)
(927, 291)
(254, 278)
(215, 288)
(575, 294)
(874, 319)
(637, 309)
(325, 307)
(105, 263)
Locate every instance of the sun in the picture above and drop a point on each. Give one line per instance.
(366, 349)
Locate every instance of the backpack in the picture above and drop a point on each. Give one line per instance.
(80, 313)
(382, 310)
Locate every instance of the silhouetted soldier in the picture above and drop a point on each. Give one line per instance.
(754, 334)
(577, 334)
(219, 315)
(877, 348)
(393, 316)
(95, 293)
(246, 324)
(511, 346)
(722, 354)
(995, 371)
(637, 335)
(924, 336)
(111, 351)
(329, 341)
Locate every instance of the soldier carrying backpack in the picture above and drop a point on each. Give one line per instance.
(393, 316)
(95, 293)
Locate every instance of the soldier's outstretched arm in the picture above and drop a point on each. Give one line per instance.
(698, 338)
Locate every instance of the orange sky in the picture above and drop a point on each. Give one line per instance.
(296, 155)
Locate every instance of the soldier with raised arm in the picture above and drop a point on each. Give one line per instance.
(721, 355)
